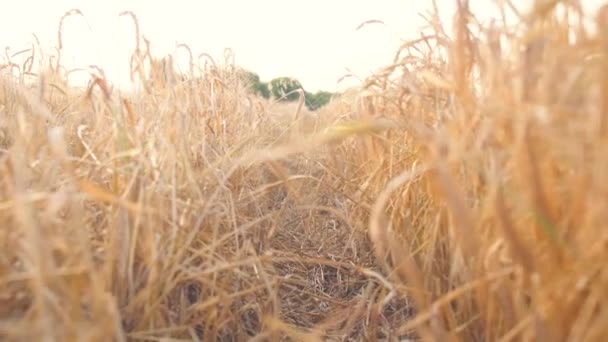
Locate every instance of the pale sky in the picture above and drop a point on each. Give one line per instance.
(313, 41)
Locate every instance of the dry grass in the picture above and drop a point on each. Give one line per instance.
(460, 195)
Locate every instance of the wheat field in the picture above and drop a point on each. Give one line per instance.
(459, 194)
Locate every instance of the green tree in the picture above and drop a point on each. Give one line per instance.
(253, 83)
(283, 88)
(262, 89)
(318, 99)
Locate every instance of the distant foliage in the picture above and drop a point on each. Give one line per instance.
(284, 89)
(252, 81)
(261, 89)
(318, 99)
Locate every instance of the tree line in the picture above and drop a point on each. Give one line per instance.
(284, 89)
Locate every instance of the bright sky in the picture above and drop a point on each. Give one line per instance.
(313, 41)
